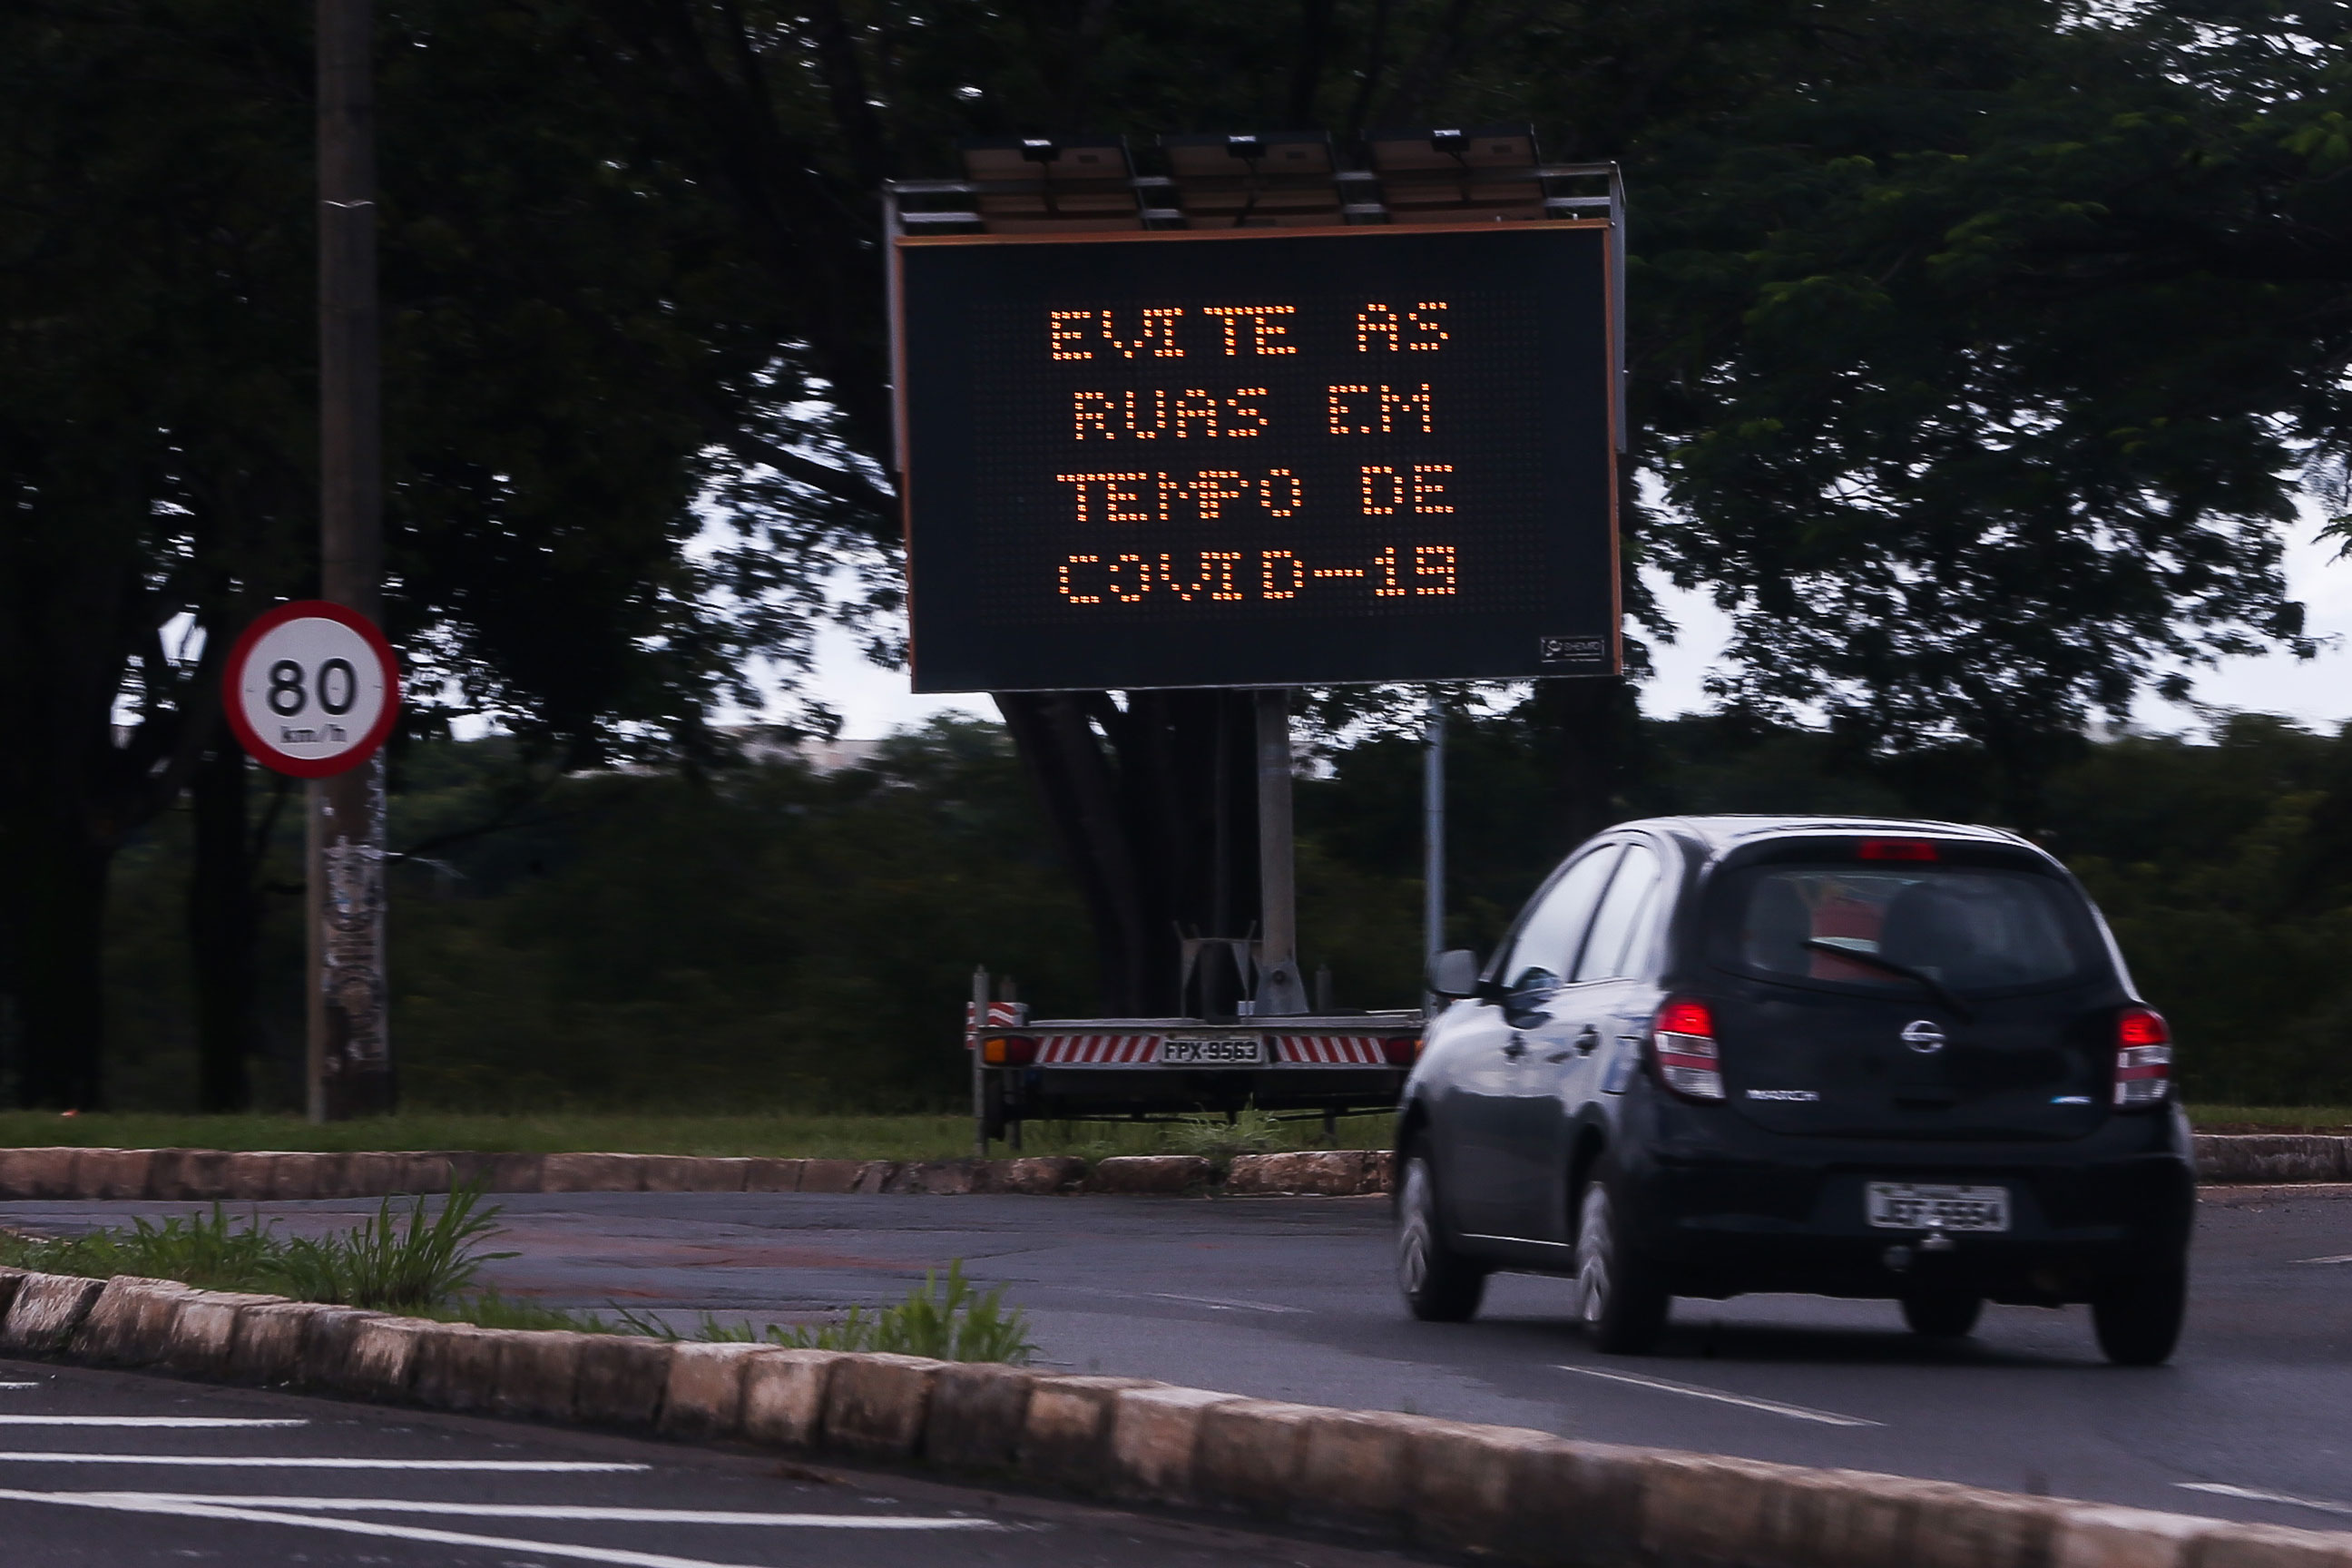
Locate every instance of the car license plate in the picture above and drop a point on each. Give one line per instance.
(1907, 1206)
(1212, 1053)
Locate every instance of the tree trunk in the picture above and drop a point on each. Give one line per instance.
(1155, 808)
(57, 886)
(1593, 720)
(223, 925)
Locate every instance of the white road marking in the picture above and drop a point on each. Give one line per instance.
(133, 1502)
(567, 1511)
(2346, 1258)
(19, 1385)
(2255, 1494)
(1222, 1304)
(139, 1421)
(284, 1462)
(1769, 1406)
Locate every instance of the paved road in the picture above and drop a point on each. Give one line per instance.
(112, 1470)
(1290, 1298)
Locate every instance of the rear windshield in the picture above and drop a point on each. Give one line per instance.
(1971, 929)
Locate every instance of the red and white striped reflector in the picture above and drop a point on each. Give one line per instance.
(1330, 1050)
(1098, 1050)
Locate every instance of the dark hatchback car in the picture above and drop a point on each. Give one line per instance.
(1841, 1056)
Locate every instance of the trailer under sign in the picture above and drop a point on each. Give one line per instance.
(1258, 457)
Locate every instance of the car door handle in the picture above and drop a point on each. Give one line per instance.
(1516, 1047)
(1588, 1039)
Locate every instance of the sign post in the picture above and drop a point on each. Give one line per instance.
(311, 690)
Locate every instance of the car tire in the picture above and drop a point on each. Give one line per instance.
(1619, 1294)
(1942, 1314)
(2137, 1317)
(1439, 1285)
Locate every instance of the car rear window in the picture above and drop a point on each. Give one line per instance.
(1969, 928)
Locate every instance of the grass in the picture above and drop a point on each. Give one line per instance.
(2336, 1119)
(945, 1319)
(388, 1262)
(424, 1263)
(805, 1137)
(812, 1136)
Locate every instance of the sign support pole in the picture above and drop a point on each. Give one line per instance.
(1432, 843)
(1279, 989)
(348, 1059)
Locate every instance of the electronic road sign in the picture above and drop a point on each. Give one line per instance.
(1258, 457)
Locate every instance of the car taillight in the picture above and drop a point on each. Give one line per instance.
(1008, 1051)
(1682, 1045)
(2143, 1058)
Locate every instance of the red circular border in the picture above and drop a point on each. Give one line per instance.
(233, 697)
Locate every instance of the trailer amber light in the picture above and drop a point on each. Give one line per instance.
(1896, 849)
(2143, 1058)
(1007, 1051)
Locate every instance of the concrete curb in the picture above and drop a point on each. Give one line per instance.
(1519, 1496)
(205, 1175)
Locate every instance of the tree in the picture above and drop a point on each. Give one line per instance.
(566, 326)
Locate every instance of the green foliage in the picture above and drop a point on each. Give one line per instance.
(199, 1250)
(946, 1320)
(376, 1264)
(381, 1263)
(1251, 1132)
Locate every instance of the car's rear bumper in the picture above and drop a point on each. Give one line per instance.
(1794, 1216)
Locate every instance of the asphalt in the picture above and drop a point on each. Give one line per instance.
(1291, 1298)
(114, 1470)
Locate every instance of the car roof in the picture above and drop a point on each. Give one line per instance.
(1723, 833)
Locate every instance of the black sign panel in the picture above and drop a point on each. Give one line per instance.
(1258, 458)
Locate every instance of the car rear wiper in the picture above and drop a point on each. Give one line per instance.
(1920, 977)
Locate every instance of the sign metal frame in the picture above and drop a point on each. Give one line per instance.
(1612, 400)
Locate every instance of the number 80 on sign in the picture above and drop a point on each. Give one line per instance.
(311, 688)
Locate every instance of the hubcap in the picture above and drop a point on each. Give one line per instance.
(1412, 1239)
(1592, 1256)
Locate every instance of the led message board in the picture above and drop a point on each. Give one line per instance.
(1258, 458)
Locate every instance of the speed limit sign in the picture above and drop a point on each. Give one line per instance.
(311, 688)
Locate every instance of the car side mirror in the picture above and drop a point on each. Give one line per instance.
(1454, 972)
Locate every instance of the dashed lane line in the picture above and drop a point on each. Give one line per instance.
(2345, 1258)
(319, 1462)
(570, 1512)
(133, 1502)
(2255, 1494)
(1223, 1304)
(1723, 1396)
(174, 1421)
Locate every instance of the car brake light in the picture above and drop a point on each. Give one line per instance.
(2143, 1058)
(1682, 1044)
(1896, 849)
(1008, 1051)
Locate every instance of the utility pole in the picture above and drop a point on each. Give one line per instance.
(349, 1058)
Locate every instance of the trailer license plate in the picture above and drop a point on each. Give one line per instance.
(1212, 1053)
(1905, 1206)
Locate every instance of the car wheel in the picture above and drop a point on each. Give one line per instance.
(2137, 1317)
(1620, 1296)
(1440, 1285)
(1942, 1314)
